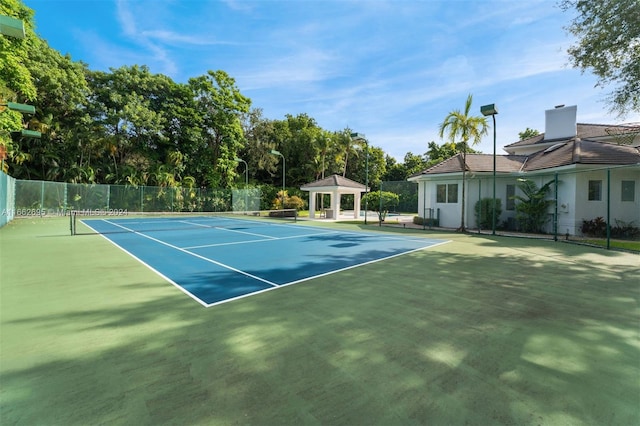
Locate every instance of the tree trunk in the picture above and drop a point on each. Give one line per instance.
(464, 179)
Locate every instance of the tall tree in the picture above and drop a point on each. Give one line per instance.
(300, 149)
(14, 52)
(608, 44)
(414, 163)
(221, 105)
(438, 153)
(394, 171)
(466, 127)
(121, 105)
(325, 143)
(261, 138)
(376, 169)
(528, 133)
(60, 114)
(16, 81)
(349, 147)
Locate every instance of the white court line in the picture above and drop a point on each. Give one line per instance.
(382, 234)
(222, 228)
(196, 224)
(178, 286)
(259, 241)
(323, 275)
(323, 232)
(231, 268)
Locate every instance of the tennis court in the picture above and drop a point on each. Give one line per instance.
(482, 330)
(219, 258)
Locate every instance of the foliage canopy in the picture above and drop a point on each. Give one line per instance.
(608, 44)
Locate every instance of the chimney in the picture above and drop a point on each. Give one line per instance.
(560, 122)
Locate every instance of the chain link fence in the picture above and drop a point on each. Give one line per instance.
(41, 198)
(7, 198)
(407, 193)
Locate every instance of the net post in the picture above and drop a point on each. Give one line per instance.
(72, 222)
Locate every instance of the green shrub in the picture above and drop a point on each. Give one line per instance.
(595, 227)
(417, 220)
(380, 201)
(625, 230)
(484, 212)
(294, 202)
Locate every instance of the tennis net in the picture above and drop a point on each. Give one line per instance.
(85, 222)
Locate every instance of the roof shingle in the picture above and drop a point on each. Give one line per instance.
(574, 151)
(334, 180)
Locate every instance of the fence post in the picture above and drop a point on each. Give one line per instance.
(555, 214)
(479, 218)
(66, 195)
(608, 209)
(41, 197)
(424, 206)
(380, 207)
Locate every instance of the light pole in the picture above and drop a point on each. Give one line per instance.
(246, 183)
(492, 111)
(360, 137)
(278, 153)
(246, 170)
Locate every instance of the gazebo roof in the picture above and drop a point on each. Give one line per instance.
(334, 182)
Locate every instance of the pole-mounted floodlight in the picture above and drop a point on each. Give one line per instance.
(246, 170)
(12, 27)
(278, 153)
(30, 134)
(360, 137)
(491, 110)
(21, 108)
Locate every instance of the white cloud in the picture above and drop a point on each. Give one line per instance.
(125, 18)
(170, 37)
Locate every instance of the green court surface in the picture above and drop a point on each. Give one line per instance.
(478, 331)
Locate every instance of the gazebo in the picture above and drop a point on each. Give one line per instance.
(335, 186)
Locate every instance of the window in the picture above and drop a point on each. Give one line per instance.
(452, 193)
(447, 193)
(595, 190)
(511, 192)
(628, 190)
(441, 194)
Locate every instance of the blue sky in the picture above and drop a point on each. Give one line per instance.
(391, 69)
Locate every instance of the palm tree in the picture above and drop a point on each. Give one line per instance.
(323, 143)
(531, 211)
(466, 127)
(348, 146)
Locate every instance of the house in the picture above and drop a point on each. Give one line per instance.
(595, 171)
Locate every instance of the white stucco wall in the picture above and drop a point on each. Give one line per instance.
(625, 211)
(573, 203)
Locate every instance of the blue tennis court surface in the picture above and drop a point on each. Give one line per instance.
(215, 260)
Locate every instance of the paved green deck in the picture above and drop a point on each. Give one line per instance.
(477, 331)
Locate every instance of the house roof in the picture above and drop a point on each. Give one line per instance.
(568, 152)
(583, 131)
(578, 151)
(334, 181)
(477, 163)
